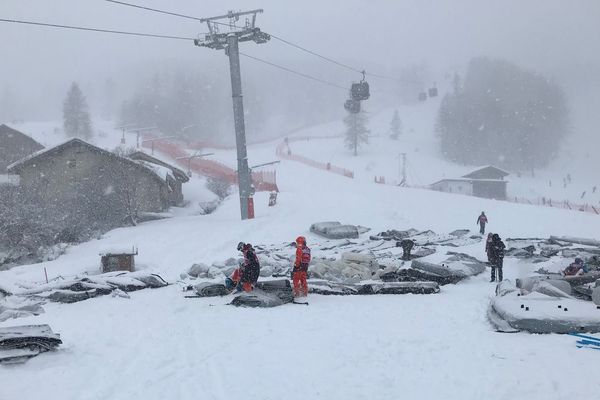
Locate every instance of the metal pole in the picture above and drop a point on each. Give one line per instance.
(244, 180)
(403, 169)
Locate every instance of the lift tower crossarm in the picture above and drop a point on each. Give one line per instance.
(233, 15)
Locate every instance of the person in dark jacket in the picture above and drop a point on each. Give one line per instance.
(482, 220)
(250, 267)
(496, 255)
(407, 246)
(488, 245)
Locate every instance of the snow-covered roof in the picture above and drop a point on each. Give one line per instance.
(6, 130)
(116, 249)
(487, 172)
(155, 161)
(467, 180)
(14, 167)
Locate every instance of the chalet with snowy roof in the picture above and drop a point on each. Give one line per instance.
(15, 145)
(487, 182)
(174, 176)
(76, 177)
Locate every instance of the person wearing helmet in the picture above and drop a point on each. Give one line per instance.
(250, 268)
(300, 269)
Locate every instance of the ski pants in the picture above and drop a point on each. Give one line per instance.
(497, 266)
(482, 228)
(300, 285)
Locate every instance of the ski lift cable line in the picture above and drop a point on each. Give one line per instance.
(295, 72)
(285, 41)
(154, 10)
(360, 71)
(174, 14)
(83, 28)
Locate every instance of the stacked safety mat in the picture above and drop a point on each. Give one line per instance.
(20, 343)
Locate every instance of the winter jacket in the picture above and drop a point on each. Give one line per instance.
(407, 244)
(302, 258)
(496, 251)
(482, 219)
(488, 245)
(251, 266)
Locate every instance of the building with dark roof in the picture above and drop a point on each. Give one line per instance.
(77, 178)
(487, 182)
(14, 145)
(174, 176)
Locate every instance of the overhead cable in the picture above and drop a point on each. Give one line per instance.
(82, 28)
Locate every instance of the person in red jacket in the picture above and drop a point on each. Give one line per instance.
(482, 220)
(301, 267)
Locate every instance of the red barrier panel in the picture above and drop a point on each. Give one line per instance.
(263, 182)
(283, 151)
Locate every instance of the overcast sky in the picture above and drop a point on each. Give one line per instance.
(557, 38)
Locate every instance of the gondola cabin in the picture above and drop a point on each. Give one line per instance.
(360, 91)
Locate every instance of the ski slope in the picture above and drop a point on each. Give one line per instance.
(160, 345)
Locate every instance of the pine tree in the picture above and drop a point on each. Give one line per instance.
(76, 118)
(502, 114)
(356, 132)
(396, 126)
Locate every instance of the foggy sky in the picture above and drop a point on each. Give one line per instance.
(556, 38)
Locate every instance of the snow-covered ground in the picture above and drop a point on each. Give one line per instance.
(160, 345)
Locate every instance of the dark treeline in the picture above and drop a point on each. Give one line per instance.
(502, 115)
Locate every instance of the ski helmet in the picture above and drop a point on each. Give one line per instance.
(240, 246)
(301, 240)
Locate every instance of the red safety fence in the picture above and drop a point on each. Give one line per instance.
(283, 151)
(263, 181)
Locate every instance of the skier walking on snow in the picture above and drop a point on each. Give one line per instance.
(482, 220)
(496, 255)
(250, 268)
(301, 267)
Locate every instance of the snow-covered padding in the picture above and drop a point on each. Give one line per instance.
(329, 288)
(549, 287)
(351, 268)
(209, 289)
(596, 294)
(399, 288)
(19, 343)
(335, 230)
(83, 288)
(201, 270)
(540, 313)
(454, 269)
(267, 294)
